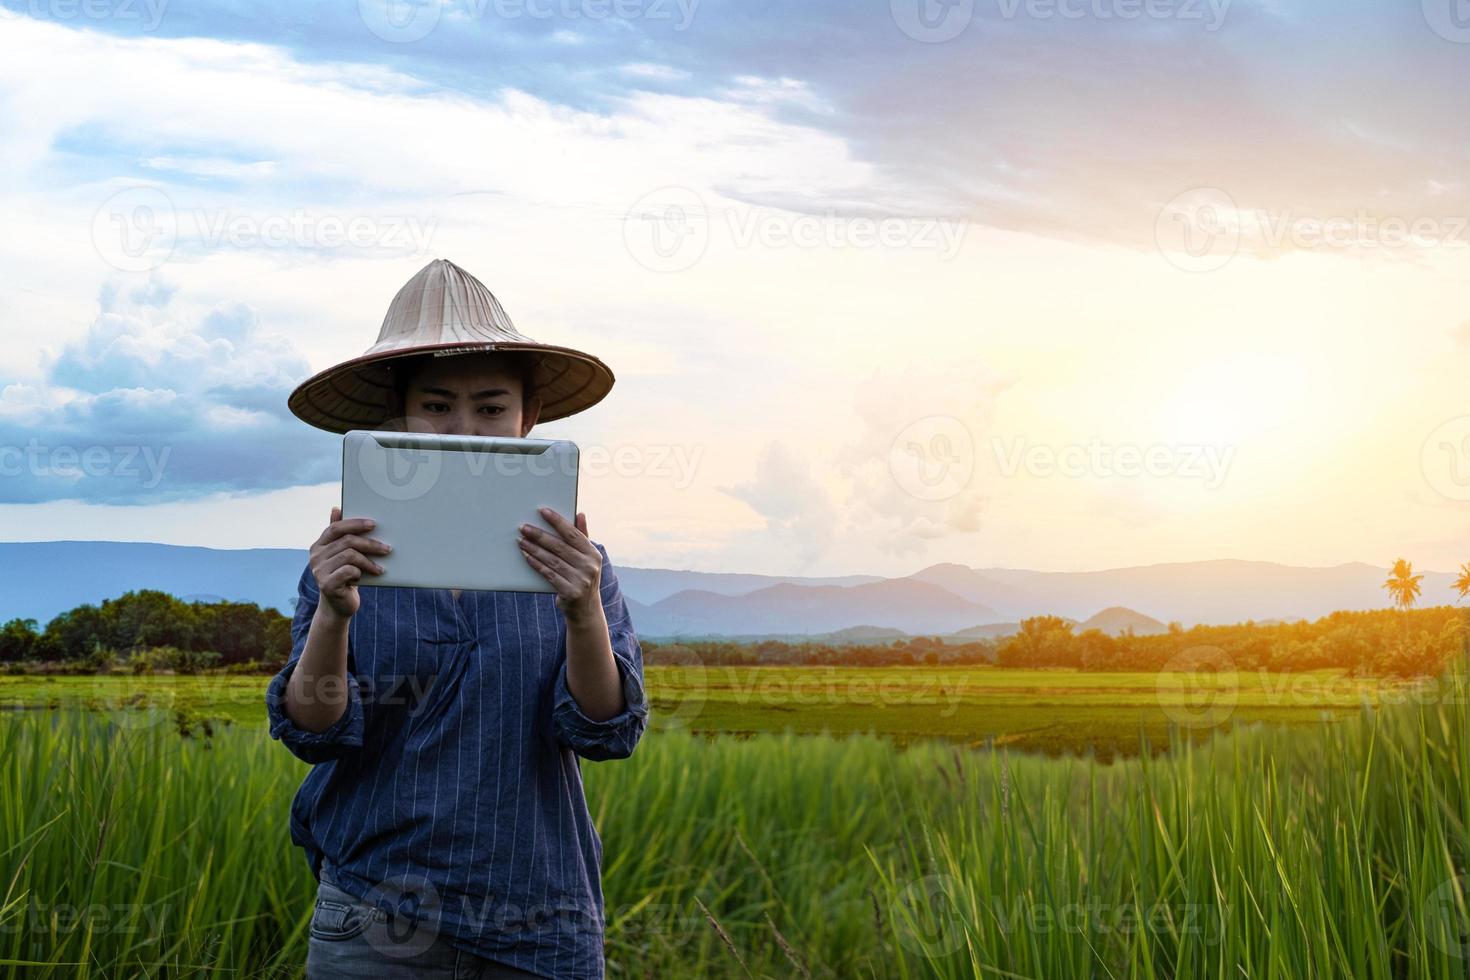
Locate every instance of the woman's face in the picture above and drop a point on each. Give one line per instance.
(469, 395)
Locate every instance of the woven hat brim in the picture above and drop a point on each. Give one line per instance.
(355, 394)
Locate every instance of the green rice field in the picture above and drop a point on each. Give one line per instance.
(1051, 711)
(1332, 846)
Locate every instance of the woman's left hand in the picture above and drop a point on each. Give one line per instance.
(568, 561)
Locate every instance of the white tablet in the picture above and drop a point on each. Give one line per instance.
(452, 506)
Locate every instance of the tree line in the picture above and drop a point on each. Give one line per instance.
(1382, 642)
(1401, 641)
(149, 629)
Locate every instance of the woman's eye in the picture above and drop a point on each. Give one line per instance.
(435, 406)
(494, 409)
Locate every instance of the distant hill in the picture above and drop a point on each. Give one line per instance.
(852, 636)
(40, 579)
(899, 604)
(987, 631)
(653, 584)
(1117, 620)
(1219, 591)
(865, 634)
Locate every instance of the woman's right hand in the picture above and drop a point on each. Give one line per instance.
(340, 557)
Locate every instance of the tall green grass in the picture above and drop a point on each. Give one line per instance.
(126, 850)
(1334, 852)
(1338, 854)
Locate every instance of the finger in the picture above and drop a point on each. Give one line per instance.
(323, 537)
(577, 577)
(351, 556)
(575, 564)
(352, 525)
(534, 535)
(346, 575)
(568, 531)
(364, 544)
(362, 561)
(582, 522)
(557, 582)
(546, 556)
(357, 543)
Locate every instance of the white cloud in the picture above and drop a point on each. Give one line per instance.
(201, 167)
(389, 133)
(777, 91)
(147, 407)
(914, 463)
(662, 73)
(796, 507)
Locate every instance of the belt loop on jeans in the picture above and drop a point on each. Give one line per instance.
(378, 913)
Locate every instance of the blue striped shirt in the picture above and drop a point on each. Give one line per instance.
(450, 790)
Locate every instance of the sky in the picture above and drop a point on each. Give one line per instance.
(1052, 284)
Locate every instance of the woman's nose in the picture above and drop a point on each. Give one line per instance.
(461, 424)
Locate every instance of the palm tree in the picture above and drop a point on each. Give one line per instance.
(1462, 584)
(1403, 589)
(1403, 584)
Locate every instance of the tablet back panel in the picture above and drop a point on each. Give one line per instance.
(452, 506)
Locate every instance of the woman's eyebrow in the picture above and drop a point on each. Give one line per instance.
(487, 393)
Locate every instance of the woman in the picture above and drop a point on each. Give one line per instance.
(444, 816)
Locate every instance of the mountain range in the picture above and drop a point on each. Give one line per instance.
(40, 579)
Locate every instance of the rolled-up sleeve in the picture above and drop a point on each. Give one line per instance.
(345, 734)
(618, 736)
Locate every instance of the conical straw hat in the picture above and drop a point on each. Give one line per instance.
(443, 309)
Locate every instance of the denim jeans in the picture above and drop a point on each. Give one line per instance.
(353, 938)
